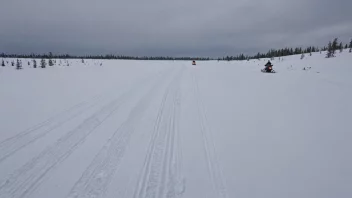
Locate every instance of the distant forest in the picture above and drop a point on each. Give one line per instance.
(330, 48)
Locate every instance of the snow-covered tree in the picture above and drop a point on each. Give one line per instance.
(329, 53)
(335, 46)
(29, 63)
(51, 62)
(18, 64)
(341, 47)
(332, 47)
(34, 64)
(302, 56)
(42, 63)
(3, 63)
(12, 63)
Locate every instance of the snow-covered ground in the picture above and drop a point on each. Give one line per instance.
(170, 129)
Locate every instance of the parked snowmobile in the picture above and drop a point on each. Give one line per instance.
(268, 68)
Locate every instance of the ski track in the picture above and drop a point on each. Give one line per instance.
(160, 175)
(26, 179)
(215, 172)
(98, 175)
(11, 145)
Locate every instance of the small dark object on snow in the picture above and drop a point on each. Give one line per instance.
(268, 68)
(193, 62)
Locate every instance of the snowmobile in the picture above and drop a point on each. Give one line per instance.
(268, 68)
(193, 62)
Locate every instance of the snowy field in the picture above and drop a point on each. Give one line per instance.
(169, 129)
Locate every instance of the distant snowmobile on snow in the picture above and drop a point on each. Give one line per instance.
(193, 62)
(268, 68)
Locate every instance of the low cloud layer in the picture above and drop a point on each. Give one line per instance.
(174, 28)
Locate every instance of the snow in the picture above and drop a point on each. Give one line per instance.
(170, 129)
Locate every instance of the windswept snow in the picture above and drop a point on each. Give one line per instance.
(169, 129)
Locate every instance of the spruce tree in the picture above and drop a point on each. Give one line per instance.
(42, 63)
(302, 56)
(12, 63)
(329, 51)
(51, 62)
(341, 47)
(34, 64)
(334, 46)
(3, 63)
(18, 65)
(350, 46)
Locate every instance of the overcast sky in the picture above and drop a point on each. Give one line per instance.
(164, 27)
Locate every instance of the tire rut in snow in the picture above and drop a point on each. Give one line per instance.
(98, 175)
(11, 145)
(215, 172)
(27, 178)
(160, 175)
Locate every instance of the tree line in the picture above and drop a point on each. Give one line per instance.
(107, 57)
(43, 63)
(330, 48)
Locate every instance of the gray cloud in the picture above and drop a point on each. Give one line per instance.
(175, 28)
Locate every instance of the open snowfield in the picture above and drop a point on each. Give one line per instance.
(162, 129)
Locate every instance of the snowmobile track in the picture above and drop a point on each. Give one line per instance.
(160, 175)
(98, 175)
(215, 172)
(11, 145)
(27, 178)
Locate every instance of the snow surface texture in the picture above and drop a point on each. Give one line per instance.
(169, 129)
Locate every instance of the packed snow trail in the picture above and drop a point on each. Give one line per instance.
(167, 129)
(160, 174)
(215, 172)
(28, 177)
(95, 179)
(13, 144)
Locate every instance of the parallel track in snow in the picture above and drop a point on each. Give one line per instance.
(27, 178)
(214, 169)
(161, 174)
(98, 175)
(11, 145)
